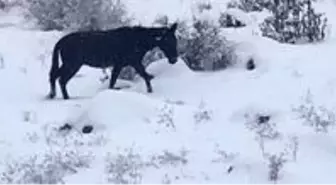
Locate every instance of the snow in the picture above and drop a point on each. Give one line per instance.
(182, 130)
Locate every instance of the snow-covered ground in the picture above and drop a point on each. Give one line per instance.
(194, 128)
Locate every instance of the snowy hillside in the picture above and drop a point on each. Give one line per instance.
(196, 127)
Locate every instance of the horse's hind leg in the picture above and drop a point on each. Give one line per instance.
(52, 80)
(147, 77)
(66, 73)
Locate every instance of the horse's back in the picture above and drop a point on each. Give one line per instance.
(119, 35)
(94, 48)
(98, 48)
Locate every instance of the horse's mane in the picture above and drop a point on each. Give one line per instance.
(153, 31)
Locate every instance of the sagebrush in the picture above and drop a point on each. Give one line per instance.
(127, 167)
(77, 14)
(319, 117)
(200, 42)
(276, 163)
(203, 48)
(295, 21)
(48, 168)
(250, 5)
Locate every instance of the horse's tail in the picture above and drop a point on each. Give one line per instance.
(55, 61)
(54, 74)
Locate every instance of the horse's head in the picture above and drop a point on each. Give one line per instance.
(167, 42)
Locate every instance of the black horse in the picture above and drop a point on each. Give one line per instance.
(117, 48)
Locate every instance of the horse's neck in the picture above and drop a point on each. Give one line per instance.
(147, 40)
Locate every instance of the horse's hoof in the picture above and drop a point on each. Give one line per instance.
(50, 96)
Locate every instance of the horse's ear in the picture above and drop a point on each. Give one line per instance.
(173, 27)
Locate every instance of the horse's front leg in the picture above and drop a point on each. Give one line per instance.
(150, 76)
(147, 77)
(114, 75)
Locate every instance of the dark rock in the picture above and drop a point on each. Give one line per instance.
(229, 170)
(87, 129)
(263, 119)
(229, 21)
(65, 127)
(250, 64)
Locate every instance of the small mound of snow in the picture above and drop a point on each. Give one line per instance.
(86, 176)
(110, 109)
(163, 69)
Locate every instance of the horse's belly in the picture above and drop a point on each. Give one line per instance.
(95, 57)
(101, 63)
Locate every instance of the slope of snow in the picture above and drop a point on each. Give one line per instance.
(191, 129)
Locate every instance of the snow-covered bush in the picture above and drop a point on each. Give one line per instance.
(6, 5)
(169, 159)
(275, 164)
(292, 147)
(294, 21)
(316, 116)
(124, 168)
(203, 6)
(48, 168)
(165, 116)
(263, 128)
(250, 5)
(77, 14)
(277, 161)
(203, 114)
(203, 48)
(200, 42)
(127, 167)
